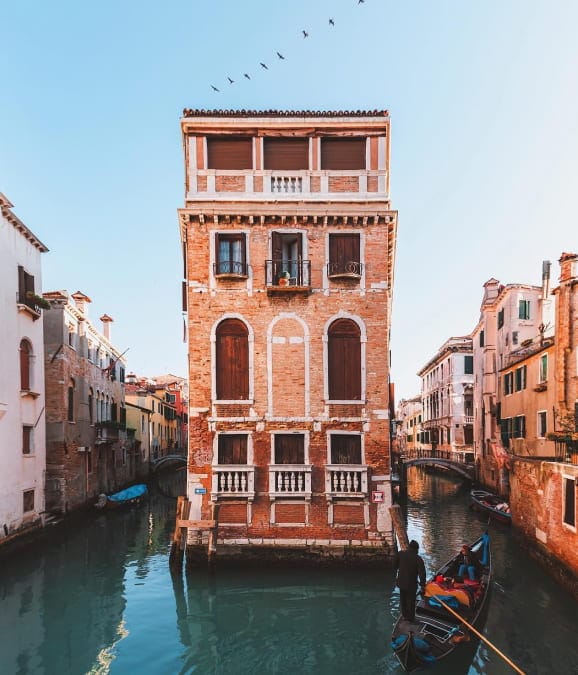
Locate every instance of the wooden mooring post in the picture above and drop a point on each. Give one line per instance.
(212, 552)
(399, 526)
(182, 526)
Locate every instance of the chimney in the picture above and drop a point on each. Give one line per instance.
(81, 301)
(106, 321)
(568, 266)
(546, 265)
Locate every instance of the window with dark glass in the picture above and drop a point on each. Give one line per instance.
(524, 309)
(289, 449)
(520, 426)
(508, 383)
(345, 449)
(343, 153)
(570, 501)
(344, 255)
(286, 154)
(26, 440)
(542, 424)
(344, 361)
(287, 260)
(233, 449)
(70, 402)
(481, 338)
(25, 365)
(468, 365)
(232, 355)
(25, 287)
(230, 254)
(28, 501)
(501, 318)
(520, 378)
(229, 152)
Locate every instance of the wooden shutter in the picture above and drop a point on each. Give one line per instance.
(289, 449)
(286, 154)
(344, 347)
(229, 152)
(25, 366)
(570, 502)
(233, 449)
(113, 411)
(232, 361)
(345, 449)
(343, 248)
(343, 153)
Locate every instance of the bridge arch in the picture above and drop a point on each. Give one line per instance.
(461, 468)
(167, 459)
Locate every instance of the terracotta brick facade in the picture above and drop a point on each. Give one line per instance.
(314, 501)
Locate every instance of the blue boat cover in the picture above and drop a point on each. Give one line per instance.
(130, 493)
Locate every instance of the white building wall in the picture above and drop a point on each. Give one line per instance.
(19, 472)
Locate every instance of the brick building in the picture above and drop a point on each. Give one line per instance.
(289, 239)
(87, 451)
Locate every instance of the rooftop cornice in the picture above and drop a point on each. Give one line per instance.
(194, 112)
(5, 208)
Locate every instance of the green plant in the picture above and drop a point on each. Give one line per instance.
(37, 300)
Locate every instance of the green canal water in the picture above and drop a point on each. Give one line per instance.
(99, 599)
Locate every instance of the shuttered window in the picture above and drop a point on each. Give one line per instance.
(570, 502)
(286, 154)
(25, 362)
(26, 440)
(229, 152)
(232, 352)
(289, 449)
(345, 449)
(343, 153)
(344, 254)
(233, 449)
(344, 352)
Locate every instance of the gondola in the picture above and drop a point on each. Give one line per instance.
(436, 632)
(491, 505)
(131, 495)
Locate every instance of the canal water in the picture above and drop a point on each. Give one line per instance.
(98, 598)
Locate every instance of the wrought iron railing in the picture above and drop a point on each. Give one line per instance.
(349, 268)
(235, 268)
(288, 274)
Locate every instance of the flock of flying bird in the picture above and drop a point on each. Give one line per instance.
(279, 55)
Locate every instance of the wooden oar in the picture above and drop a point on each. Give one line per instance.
(506, 659)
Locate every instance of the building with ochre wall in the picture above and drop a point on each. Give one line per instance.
(289, 240)
(22, 419)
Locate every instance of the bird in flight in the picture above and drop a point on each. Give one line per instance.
(263, 65)
(331, 22)
(360, 2)
(230, 80)
(214, 88)
(305, 33)
(280, 56)
(247, 76)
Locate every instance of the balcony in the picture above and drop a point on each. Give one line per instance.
(231, 269)
(468, 419)
(108, 432)
(288, 276)
(236, 480)
(290, 480)
(345, 480)
(31, 304)
(345, 270)
(286, 184)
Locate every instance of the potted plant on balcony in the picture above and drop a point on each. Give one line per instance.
(37, 300)
(284, 279)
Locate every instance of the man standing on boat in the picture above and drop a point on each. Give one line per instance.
(409, 566)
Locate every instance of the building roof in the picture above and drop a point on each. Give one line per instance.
(194, 112)
(6, 209)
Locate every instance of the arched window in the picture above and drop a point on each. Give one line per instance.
(25, 365)
(70, 406)
(344, 361)
(232, 356)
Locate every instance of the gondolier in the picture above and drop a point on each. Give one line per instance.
(409, 566)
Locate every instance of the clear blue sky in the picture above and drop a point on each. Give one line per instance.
(484, 104)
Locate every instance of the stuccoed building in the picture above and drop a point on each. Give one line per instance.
(22, 419)
(289, 239)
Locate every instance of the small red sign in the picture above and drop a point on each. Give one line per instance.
(378, 497)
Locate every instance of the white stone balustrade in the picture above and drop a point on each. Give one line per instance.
(237, 480)
(286, 184)
(290, 479)
(344, 479)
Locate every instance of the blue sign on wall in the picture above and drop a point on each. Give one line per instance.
(201, 491)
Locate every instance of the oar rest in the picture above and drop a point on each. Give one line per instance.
(462, 595)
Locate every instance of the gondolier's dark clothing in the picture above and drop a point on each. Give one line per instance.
(409, 566)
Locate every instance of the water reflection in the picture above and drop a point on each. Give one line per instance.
(99, 599)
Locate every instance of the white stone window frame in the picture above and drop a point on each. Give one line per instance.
(213, 280)
(540, 379)
(339, 432)
(31, 452)
(363, 339)
(251, 340)
(574, 479)
(361, 286)
(289, 432)
(233, 432)
(32, 370)
(538, 423)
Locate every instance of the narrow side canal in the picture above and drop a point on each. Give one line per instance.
(99, 599)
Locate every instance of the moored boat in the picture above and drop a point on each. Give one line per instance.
(130, 495)
(492, 505)
(436, 632)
